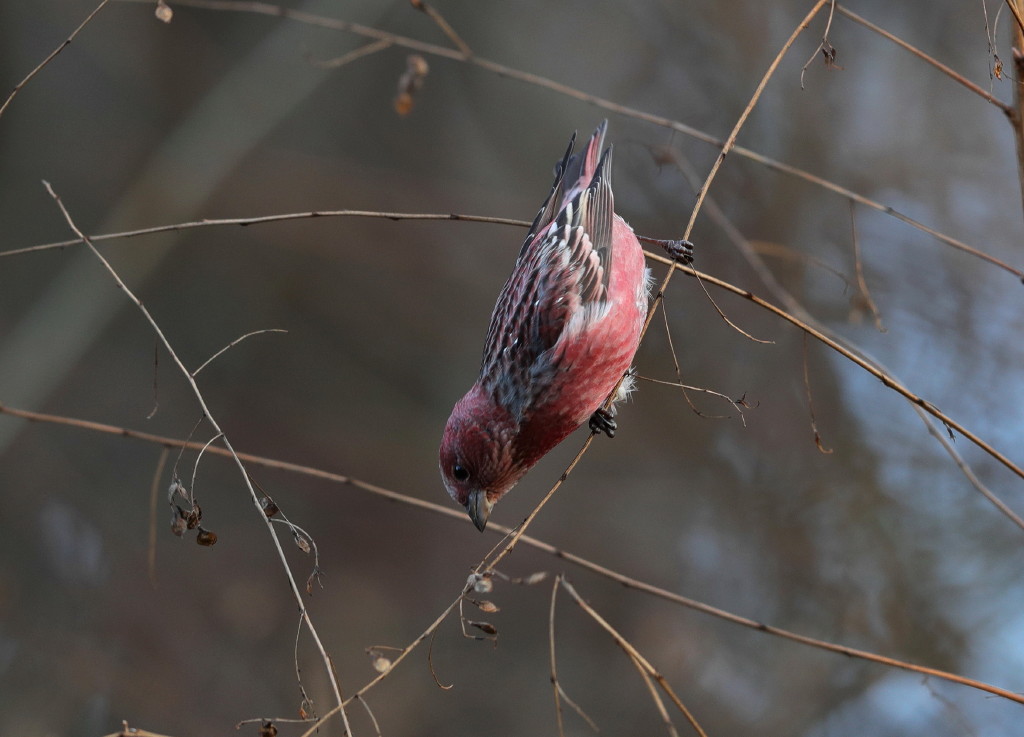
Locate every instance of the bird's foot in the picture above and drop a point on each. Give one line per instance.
(680, 251)
(603, 421)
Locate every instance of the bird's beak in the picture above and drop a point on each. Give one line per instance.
(479, 508)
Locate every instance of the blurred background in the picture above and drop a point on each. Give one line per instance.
(881, 545)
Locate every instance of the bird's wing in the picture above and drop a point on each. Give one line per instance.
(559, 285)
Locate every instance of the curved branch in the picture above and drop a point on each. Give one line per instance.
(460, 517)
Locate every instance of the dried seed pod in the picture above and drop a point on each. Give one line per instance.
(268, 506)
(482, 584)
(177, 521)
(164, 13)
(410, 83)
(381, 664)
(175, 488)
(206, 537)
(194, 517)
(485, 627)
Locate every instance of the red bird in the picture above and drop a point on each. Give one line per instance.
(562, 335)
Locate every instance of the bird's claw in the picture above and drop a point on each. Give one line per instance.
(681, 251)
(603, 421)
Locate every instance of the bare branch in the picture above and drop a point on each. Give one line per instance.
(683, 387)
(209, 417)
(127, 731)
(810, 402)
(154, 491)
(551, 649)
(862, 283)
(232, 344)
(262, 8)
(948, 71)
(494, 527)
(721, 314)
(52, 56)
(885, 378)
(445, 27)
(635, 655)
(272, 219)
(825, 48)
(702, 192)
(1017, 15)
(401, 656)
(1017, 117)
(371, 48)
(730, 142)
(655, 697)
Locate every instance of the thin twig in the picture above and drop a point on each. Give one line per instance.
(727, 146)
(948, 71)
(551, 651)
(371, 48)
(799, 311)
(633, 653)
(127, 731)
(156, 380)
(858, 267)
(1017, 15)
(209, 417)
(967, 471)
(430, 216)
(738, 403)
(886, 379)
(702, 192)
(430, 665)
(659, 704)
(369, 711)
(560, 694)
(271, 219)
(995, 64)
(459, 516)
(683, 387)
(783, 252)
(401, 656)
(489, 562)
(268, 9)
(154, 491)
(875, 205)
(810, 402)
(739, 241)
(731, 140)
(721, 313)
(199, 456)
(445, 27)
(824, 47)
(1017, 117)
(849, 354)
(52, 56)
(306, 701)
(232, 344)
(276, 720)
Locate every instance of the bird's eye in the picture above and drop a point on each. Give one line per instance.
(459, 472)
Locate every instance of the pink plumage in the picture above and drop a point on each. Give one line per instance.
(562, 335)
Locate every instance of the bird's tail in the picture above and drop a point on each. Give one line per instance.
(580, 168)
(573, 174)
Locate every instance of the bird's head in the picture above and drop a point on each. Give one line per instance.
(476, 457)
